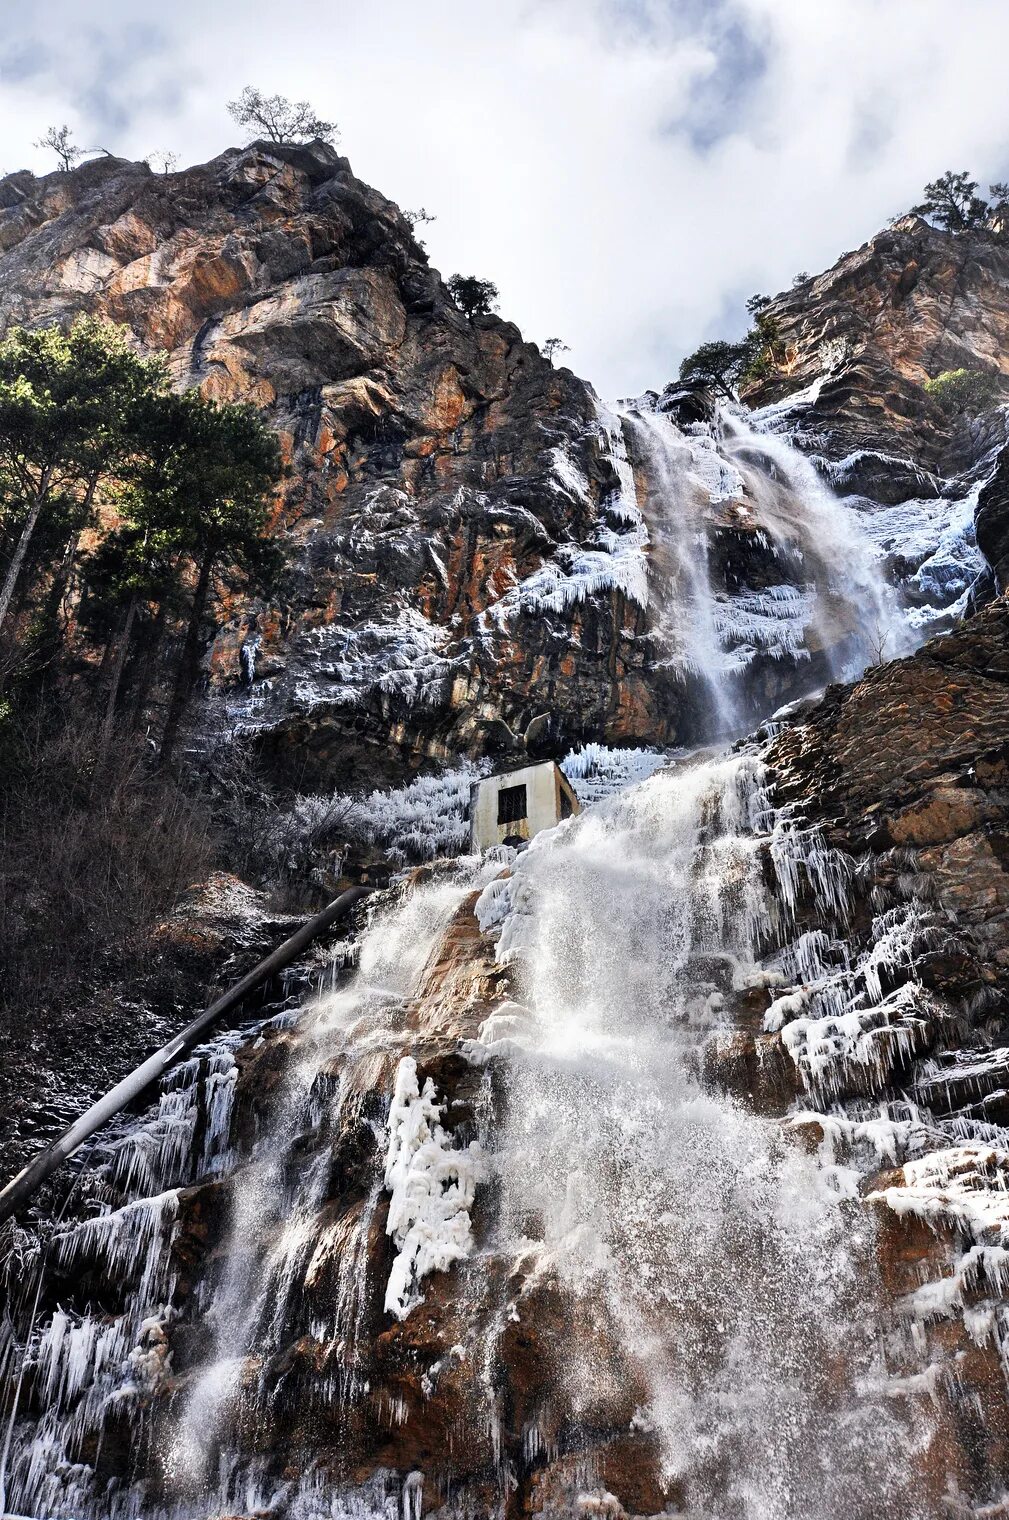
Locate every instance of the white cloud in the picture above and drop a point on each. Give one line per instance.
(627, 171)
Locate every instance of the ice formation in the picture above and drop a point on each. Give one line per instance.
(722, 1266)
(612, 560)
(432, 1184)
(427, 819)
(598, 770)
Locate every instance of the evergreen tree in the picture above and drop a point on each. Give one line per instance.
(67, 406)
(220, 476)
(475, 298)
(717, 364)
(952, 202)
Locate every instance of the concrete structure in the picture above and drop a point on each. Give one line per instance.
(516, 804)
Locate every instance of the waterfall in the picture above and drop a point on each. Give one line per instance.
(717, 1292)
(754, 564)
(310, 1279)
(727, 1284)
(683, 483)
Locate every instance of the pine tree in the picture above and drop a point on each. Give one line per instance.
(953, 203)
(66, 425)
(474, 297)
(717, 364)
(222, 474)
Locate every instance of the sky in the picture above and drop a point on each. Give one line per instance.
(627, 172)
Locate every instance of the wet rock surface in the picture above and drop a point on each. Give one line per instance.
(439, 465)
(436, 462)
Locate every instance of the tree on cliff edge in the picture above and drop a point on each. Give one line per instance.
(279, 119)
(717, 364)
(474, 298)
(952, 202)
(60, 141)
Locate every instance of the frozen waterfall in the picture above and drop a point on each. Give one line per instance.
(452, 1232)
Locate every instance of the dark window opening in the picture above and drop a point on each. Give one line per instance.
(511, 804)
(566, 806)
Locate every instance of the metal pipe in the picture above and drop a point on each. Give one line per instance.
(17, 1192)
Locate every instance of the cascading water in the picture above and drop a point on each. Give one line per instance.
(754, 562)
(317, 1300)
(729, 1287)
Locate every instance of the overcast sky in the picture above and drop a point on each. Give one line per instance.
(626, 171)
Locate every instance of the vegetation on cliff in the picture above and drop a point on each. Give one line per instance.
(125, 509)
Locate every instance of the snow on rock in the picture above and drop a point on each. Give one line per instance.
(841, 472)
(614, 562)
(864, 1042)
(432, 1186)
(963, 1186)
(932, 549)
(612, 559)
(404, 657)
(781, 416)
(568, 476)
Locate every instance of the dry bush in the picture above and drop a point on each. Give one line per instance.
(88, 862)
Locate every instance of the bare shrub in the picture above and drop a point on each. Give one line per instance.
(88, 863)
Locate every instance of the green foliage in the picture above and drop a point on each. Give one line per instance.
(964, 391)
(221, 465)
(760, 348)
(717, 364)
(85, 420)
(722, 365)
(68, 425)
(474, 297)
(278, 119)
(552, 347)
(952, 202)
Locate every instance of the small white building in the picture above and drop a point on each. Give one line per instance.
(514, 805)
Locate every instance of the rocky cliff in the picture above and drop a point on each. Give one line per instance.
(436, 463)
(861, 338)
(660, 1168)
(474, 542)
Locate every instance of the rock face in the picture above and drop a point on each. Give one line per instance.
(437, 462)
(905, 774)
(489, 1229)
(910, 303)
(474, 541)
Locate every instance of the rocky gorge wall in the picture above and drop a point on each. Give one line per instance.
(659, 1170)
(474, 542)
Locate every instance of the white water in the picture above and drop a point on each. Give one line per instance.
(717, 1284)
(725, 491)
(727, 1283)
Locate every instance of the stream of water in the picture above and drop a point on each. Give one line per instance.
(712, 1289)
